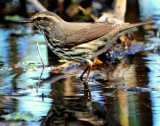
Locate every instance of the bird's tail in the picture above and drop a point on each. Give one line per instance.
(119, 30)
(128, 25)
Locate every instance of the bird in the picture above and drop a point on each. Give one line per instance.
(79, 41)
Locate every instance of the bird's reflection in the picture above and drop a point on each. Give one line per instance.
(70, 106)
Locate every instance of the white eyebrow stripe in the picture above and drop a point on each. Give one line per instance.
(43, 15)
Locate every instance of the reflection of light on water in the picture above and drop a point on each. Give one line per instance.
(34, 104)
(154, 66)
(134, 114)
(16, 80)
(148, 8)
(154, 77)
(28, 49)
(97, 97)
(155, 107)
(151, 8)
(4, 47)
(30, 109)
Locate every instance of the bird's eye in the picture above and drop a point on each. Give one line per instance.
(39, 18)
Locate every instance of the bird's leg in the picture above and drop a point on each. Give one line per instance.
(89, 70)
(85, 83)
(81, 77)
(86, 80)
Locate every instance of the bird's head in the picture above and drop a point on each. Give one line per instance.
(44, 19)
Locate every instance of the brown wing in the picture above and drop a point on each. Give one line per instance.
(89, 31)
(85, 32)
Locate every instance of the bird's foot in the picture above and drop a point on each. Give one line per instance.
(86, 87)
(81, 78)
(87, 90)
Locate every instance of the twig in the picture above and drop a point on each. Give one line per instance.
(120, 9)
(40, 79)
(40, 53)
(42, 63)
(38, 6)
(85, 11)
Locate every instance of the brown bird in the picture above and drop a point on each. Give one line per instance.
(78, 41)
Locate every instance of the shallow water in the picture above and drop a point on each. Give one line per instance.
(60, 96)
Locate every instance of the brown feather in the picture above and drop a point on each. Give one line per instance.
(90, 31)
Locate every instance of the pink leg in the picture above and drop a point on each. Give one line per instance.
(81, 77)
(85, 83)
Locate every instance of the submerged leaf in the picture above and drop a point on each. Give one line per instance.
(63, 61)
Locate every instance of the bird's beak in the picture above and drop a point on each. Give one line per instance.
(26, 21)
